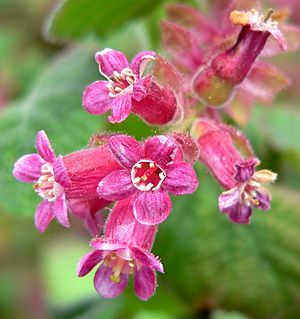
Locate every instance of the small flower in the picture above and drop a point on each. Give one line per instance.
(247, 193)
(150, 170)
(124, 249)
(215, 83)
(234, 173)
(39, 169)
(126, 90)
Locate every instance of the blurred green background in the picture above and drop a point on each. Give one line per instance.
(214, 269)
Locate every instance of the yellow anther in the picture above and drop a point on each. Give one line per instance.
(239, 17)
(114, 278)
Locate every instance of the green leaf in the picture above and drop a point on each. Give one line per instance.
(54, 105)
(277, 125)
(253, 269)
(74, 19)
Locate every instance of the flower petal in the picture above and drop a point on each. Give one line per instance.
(43, 215)
(181, 179)
(60, 210)
(158, 107)
(110, 60)
(60, 172)
(144, 282)
(116, 186)
(152, 207)
(140, 62)
(102, 245)
(141, 87)
(105, 286)
(120, 107)
(147, 259)
(44, 147)
(160, 149)
(228, 199)
(88, 262)
(96, 99)
(240, 214)
(245, 169)
(27, 169)
(264, 199)
(126, 150)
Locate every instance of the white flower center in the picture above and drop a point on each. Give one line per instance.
(121, 83)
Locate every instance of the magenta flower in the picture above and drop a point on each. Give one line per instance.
(38, 169)
(126, 90)
(248, 192)
(234, 173)
(124, 249)
(150, 170)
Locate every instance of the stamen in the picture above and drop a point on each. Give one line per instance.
(268, 15)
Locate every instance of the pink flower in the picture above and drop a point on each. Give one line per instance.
(234, 173)
(126, 90)
(150, 170)
(38, 169)
(215, 83)
(124, 249)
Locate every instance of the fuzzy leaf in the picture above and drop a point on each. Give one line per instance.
(73, 19)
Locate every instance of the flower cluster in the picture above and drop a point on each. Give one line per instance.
(212, 71)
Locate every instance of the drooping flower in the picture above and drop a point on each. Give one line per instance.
(38, 169)
(124, 249)
(150, 170)
(194, 39)
(216, 82)
(127, 90)
(235, 174)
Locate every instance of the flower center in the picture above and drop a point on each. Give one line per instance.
(249, 196)
(146, 175)
(46, 186)
(120, 83)
(119, 265)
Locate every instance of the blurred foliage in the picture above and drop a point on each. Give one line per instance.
(214, 269)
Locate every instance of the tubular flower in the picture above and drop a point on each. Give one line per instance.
(150, 170)
(126, 90)
(124, 249)
(234, 173)
(39, 169)
(215, 83)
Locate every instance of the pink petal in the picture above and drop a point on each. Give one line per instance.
(144, 282)
(160, 149)
(158, 107)
(264, 199)
(181, 179)
(140, 62)
(60, 210)
(152, 207)
(116, 186)
(279, 37)
(60, 172)
(228, 200)
(27, 169)
(43, 215)
(95, 99)
(147, 259)
(88, 262)
(141, 87)
(240, 214)
(103, 245)
(245, 169)
(44, 147)
(120, 107)
(107, 288)
(126, 150)
(110, 60)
